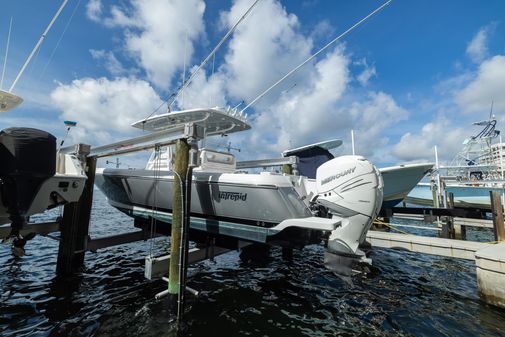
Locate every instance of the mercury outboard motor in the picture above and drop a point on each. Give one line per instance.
(351, 188)
(27, 159)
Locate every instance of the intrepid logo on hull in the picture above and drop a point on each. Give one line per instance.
(233, 196)
(338, 175)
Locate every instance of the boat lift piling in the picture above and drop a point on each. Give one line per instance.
(498, 223)
(179, 211)
(75, 241)
(458, 230)
(75, 224)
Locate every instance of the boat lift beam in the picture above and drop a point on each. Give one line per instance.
(144, 142)
(156, 267)
(42, 228)
(291, 160)
(115, 240)
(461, 212)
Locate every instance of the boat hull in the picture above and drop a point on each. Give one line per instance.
(400, 180)
(239, 206)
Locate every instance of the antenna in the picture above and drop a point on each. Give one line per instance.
(352, 142)
(117, 163)
(213, 63)
(6, 53)
(171, 99)
(491, 111)
(236, 106)
(204, 62)
(184, 71)
(317, 53)
(229, 148)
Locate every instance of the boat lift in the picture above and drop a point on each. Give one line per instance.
(74, 239)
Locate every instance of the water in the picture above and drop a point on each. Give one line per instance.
(403, 294)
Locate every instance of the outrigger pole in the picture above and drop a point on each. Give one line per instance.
(6, 54)
(8, 100)
(317, 53)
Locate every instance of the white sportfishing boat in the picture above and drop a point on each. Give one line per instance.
(480, 161)
(475, 171)
(400, 180)
(229, 204)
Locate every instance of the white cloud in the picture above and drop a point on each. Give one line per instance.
(103, 107)
(318, 102)
(263, 48)
(477, 48)
(487, 86)
(111, 63)
(307, 108)
(302, 115)
(420, 147)
(367, 73)
(310, 111)
(372, 119)
(94, 10)
(204, 92)
(158, 33)
(322, 30)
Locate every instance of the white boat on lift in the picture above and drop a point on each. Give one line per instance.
(228, 204)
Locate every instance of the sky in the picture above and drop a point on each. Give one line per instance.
(415, 75)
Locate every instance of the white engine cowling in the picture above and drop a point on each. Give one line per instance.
(352, 189)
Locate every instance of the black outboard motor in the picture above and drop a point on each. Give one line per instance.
(27, 159)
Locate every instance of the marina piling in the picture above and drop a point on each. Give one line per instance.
(449, 228)
(458, 231)
(192, 161)
(178, 207)
(287, 169)
(75, 224)
(497, 208)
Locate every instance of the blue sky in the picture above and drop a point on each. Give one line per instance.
(413, 76)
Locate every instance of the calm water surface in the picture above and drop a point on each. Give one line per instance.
(403, 294)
